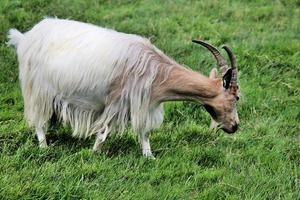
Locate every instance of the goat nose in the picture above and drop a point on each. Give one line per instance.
(234, 127)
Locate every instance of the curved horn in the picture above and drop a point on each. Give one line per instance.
(233, 65)
(220, 60)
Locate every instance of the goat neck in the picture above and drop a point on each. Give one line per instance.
(184, 84)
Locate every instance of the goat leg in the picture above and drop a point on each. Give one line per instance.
(100, 138)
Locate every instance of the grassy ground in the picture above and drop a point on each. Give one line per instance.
(261, 161)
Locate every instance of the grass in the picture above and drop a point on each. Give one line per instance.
(261, 161)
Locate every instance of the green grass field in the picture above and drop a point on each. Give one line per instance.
(261, 161)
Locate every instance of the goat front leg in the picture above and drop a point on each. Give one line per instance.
(40, 133)
(145, 144)
(100, 138)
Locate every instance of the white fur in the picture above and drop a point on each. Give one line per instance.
(66, 67)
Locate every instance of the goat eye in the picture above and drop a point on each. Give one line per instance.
(211, 111)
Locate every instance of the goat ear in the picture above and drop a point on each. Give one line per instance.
(213, 73)
(227, 78)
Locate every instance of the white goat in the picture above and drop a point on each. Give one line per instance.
(98, 79)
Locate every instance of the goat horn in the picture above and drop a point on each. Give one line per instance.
(220, 60)
(233, 65)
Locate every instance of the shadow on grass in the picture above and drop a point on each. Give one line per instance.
(121, 145)
(67, 140)
(114, 145)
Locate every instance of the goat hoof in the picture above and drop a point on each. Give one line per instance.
(43, 145)
(149, 156)
(96, 150)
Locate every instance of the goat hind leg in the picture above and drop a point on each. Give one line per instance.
(40, 133)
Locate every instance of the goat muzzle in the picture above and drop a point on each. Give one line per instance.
(231, 130)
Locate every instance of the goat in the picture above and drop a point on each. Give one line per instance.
(97, 79)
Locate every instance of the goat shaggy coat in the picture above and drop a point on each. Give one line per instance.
(70, 69)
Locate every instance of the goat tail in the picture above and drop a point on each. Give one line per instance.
(14, 37)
